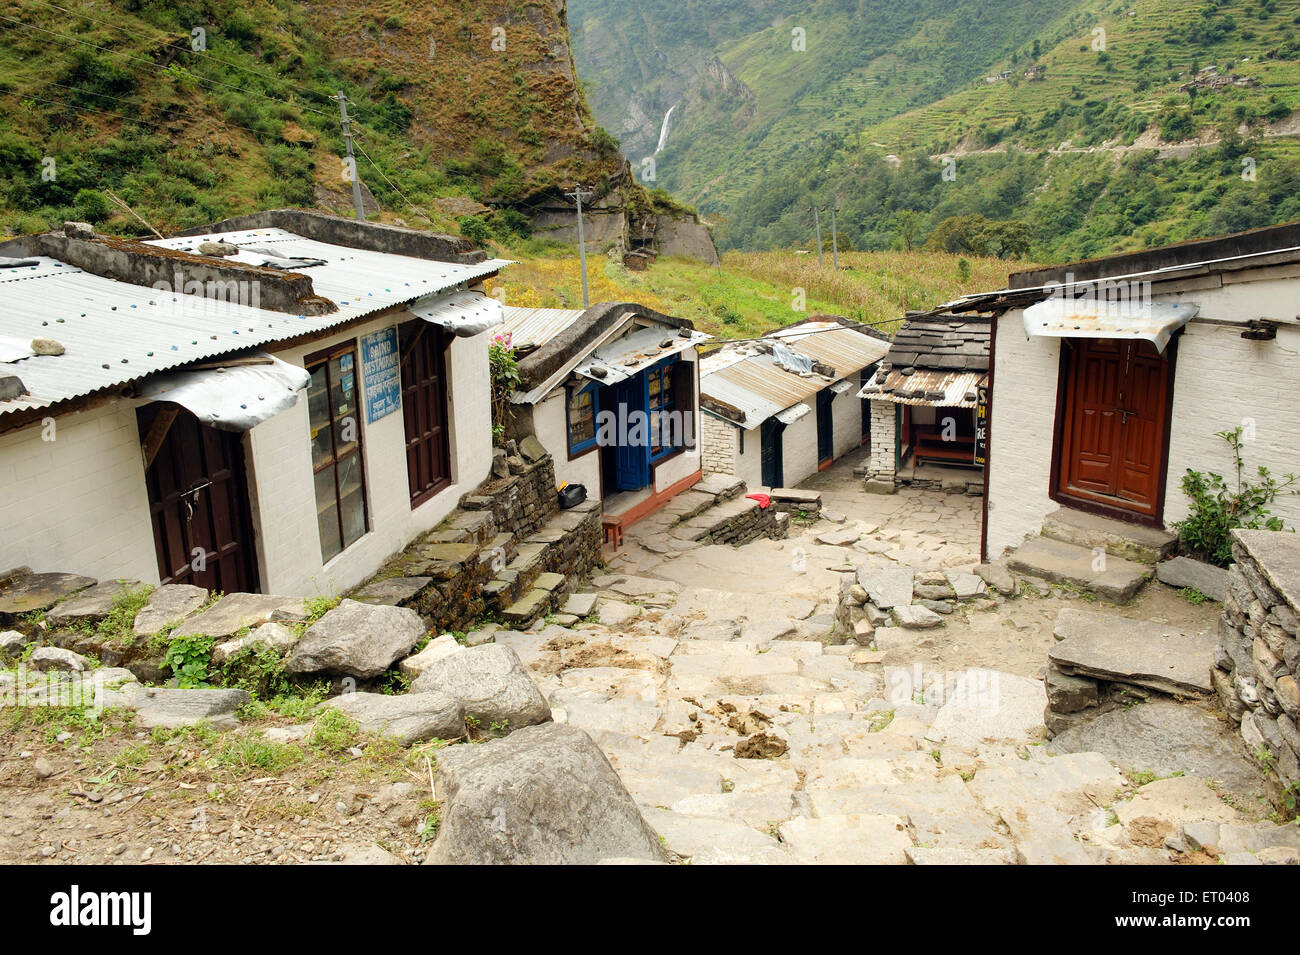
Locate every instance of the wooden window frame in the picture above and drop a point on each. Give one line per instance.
(590, 444)
(311, 362)
(667, 401)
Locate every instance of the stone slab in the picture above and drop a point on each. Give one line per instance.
(392, 591)
(1278, 556)
(91, 605)
(1116, 581)
(168, 606)
(580, 604)
(39, 592)
(1183, 572)
(1138, 652)
(887, 587)
(1163, 737)
(234, 612)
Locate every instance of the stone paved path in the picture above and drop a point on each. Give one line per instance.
(747, 736)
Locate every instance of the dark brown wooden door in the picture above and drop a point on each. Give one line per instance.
(424, 409)
(1113, 434)
(198, 498)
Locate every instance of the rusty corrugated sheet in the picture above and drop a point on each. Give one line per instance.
(938, 389)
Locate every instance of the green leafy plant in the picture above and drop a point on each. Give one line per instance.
(1219, 507)
(189, 657)
(504, 369)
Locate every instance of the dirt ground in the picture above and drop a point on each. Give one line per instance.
(1016, 636)
(106, 792)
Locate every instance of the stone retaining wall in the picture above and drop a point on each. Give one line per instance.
(521, 503)
(749, 523)
(1259, 656)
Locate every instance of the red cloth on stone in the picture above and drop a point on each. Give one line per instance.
(764, 500)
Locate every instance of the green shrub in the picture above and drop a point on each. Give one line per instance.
(1218, 508)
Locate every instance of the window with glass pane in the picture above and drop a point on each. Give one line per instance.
(582, 419)
(663, 438)
(335, 423)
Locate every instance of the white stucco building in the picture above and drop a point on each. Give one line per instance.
(284, 436)
(780, 409)
(588, 377)
(1111, 377)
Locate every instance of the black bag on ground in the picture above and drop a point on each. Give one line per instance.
(572, 496)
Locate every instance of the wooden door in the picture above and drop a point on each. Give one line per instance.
(772, 435)
(424, 410)
(825, 427)
(198, 499)
(1113, 424)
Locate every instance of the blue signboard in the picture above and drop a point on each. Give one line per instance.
(382, 375)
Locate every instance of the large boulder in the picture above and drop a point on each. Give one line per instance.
(409, 718)
(361, 640)
(545, 795)
(491, 683)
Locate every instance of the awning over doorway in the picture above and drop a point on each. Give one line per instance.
(233, 396)
(1154, 322)
(793, 414)
(464, 314)
(624, 357)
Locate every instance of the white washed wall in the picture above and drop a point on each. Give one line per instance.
(78, 504)
(551, 425)
(284, 505)
(1220, 379)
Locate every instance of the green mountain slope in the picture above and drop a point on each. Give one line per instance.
(192, 110)
(1101, 125)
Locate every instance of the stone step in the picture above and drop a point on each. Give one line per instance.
(498, 552)
(527, 608)
(479, 525)
(1109, 577)
(720, 487)
(708, 521)
(1146, 545)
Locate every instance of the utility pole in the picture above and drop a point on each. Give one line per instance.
(835, 242)
(352, 161)
(817, 221)
(577, 196)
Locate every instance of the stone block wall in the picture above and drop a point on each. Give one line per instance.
(718, 446)
(883, 440)
(1258, 659)
(520, 503)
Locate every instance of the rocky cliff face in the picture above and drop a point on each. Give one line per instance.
(493, 84)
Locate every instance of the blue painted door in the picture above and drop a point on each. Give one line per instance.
(633, 457)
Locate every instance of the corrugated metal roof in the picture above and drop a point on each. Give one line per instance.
(534, 327)
(359, 281)
(844, 349)
(744, 378)
(937, 389)
(757, 387)
(1154, 322)
(115, 332)
(624, 357)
